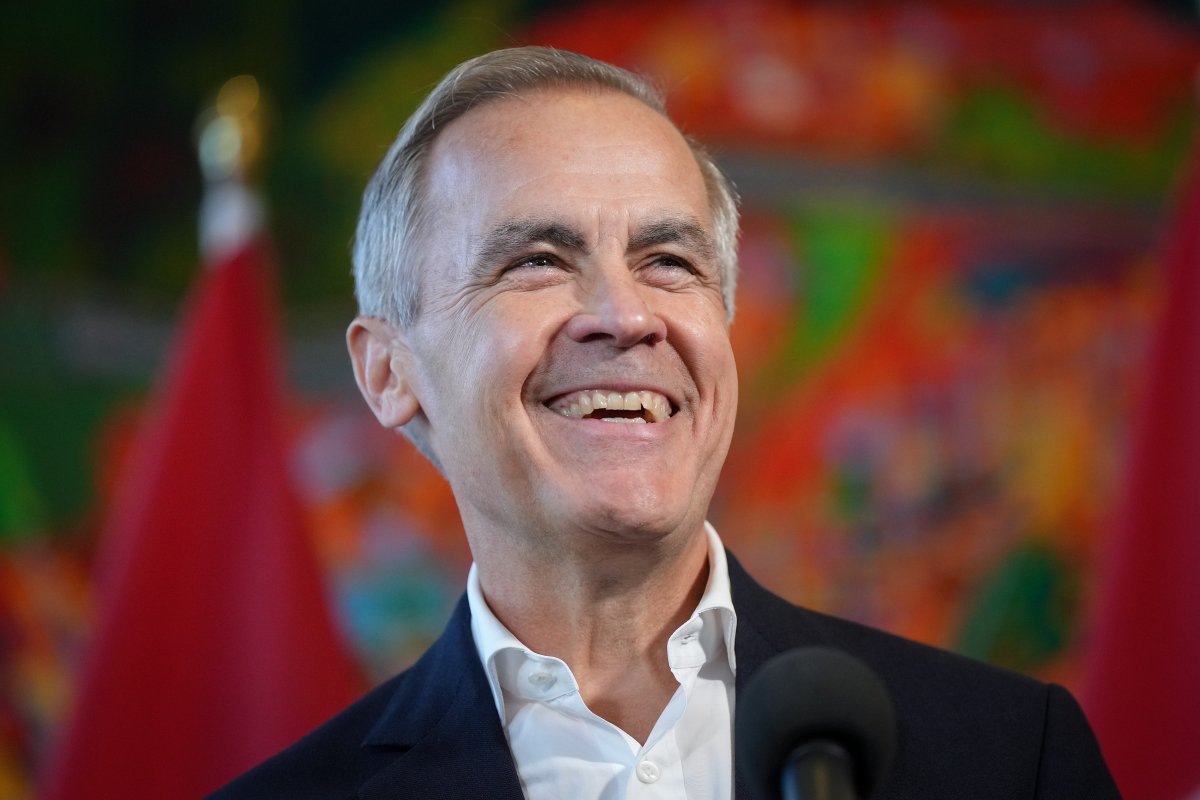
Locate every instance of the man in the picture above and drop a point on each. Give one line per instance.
(545, 270)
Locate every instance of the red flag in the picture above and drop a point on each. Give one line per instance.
(214, 646)
(1142, 691)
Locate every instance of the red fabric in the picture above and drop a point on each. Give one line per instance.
(1142, 692)
(214, 647)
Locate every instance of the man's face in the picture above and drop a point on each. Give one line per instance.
(568, 261)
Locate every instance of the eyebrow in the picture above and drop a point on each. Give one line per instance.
(681, 230)
(509, 238)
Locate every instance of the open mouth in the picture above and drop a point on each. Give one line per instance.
(608, 406)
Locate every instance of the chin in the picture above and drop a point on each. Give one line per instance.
(635, 511)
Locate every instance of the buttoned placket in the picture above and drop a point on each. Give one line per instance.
(540, 703)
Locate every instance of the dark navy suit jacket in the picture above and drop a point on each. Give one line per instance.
(967, 731)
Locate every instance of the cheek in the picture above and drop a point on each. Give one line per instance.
(702, 340)
(481, 361)
(723, 386)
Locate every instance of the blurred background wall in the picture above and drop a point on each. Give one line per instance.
(949, 276)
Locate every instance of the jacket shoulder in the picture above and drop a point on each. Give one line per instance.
(965, 728)
(328, 762)
(345, 752)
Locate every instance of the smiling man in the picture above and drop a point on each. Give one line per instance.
(545, 270)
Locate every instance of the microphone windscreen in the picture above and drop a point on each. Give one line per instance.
(810, 694)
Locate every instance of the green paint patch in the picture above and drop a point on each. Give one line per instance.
(1023, 615)
(840, 257)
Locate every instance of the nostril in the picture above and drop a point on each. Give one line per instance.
(592, 337)
(623, 332)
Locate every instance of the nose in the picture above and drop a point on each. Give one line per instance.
(615, 308)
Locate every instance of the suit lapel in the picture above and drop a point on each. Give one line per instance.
(439, 735)
(767, 625)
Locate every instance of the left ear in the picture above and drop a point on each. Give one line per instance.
(383, 370)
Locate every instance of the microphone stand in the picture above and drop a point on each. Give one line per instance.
(818, 770)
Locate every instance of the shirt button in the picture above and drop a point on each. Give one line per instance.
(542, 680)
(648, 772)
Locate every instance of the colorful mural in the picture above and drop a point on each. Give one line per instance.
(948, 279)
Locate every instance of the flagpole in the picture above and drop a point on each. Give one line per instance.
(214, 646)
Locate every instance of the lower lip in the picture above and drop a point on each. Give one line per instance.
(619, 430)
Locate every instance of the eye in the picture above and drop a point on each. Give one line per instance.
(538, 261)
(534, 271)
(668, 261)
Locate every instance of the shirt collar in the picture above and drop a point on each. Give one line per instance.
(499, 650)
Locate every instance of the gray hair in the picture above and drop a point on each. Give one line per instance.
(394, 204)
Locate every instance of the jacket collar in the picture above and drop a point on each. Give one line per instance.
(443, 708)
(441, 711)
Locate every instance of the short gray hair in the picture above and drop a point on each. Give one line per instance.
(394, 204)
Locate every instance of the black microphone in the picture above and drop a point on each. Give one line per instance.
(814, 724)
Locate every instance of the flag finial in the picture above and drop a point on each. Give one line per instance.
(229, 133)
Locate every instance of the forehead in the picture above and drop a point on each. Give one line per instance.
(563, 152)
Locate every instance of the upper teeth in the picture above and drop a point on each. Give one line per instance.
(581, 404)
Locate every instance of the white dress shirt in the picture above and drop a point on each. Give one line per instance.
(563, 750)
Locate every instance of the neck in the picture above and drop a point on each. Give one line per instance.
(607, 613)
